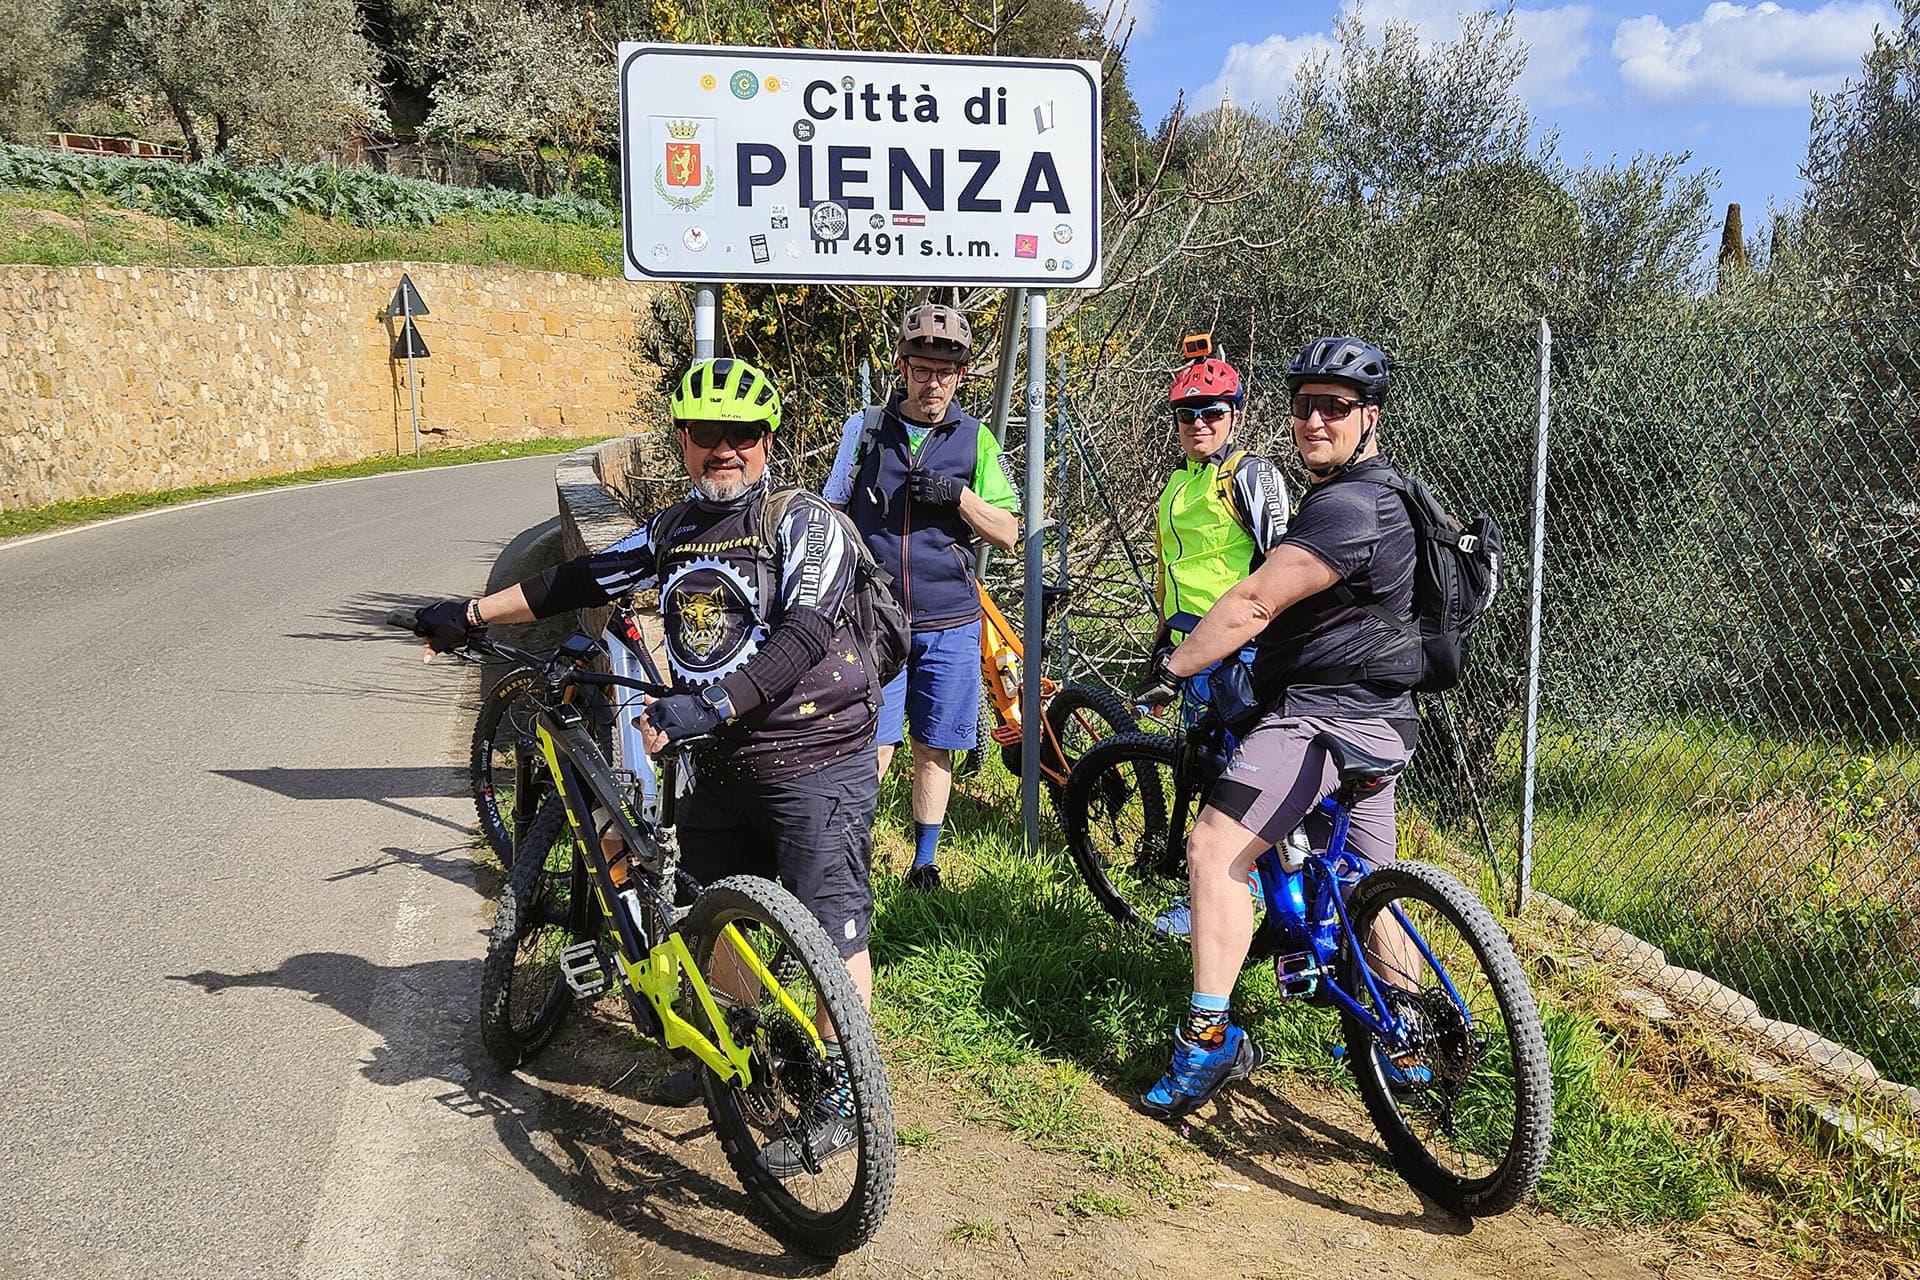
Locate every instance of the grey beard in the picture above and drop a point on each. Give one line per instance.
(720, 490)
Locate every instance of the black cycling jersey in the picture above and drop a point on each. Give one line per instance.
(717, 625)
(1363, 532)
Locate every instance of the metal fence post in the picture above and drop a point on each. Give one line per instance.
(866, 382)
(1523, 888)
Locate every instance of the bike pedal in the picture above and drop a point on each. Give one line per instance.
(1297, 975)
(580, 965)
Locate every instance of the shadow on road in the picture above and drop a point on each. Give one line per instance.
(571, 1120)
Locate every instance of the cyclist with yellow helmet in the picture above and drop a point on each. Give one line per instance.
(766, 673)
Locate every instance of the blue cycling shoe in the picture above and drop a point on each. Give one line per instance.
(1176, 920)
(1198, 1073)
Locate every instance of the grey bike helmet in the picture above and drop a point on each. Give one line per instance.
(1359, 364)
(936, 332)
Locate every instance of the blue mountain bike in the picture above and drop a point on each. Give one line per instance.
(1440, 1027)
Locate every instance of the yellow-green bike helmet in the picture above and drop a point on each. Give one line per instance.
(726, 390)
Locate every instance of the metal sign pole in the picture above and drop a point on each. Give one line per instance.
(703, 329)
(406, 336)
(1002, 392)
(1036, 499)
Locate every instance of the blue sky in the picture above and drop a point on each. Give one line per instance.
(1727, 82)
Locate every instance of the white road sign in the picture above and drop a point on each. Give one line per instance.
(832, 165)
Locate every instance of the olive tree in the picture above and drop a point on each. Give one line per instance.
(264, 78)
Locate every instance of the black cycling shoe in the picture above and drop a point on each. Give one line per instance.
(924, 878)
(678, 1088)
(828, 1134)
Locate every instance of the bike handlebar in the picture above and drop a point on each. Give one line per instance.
(487, 646)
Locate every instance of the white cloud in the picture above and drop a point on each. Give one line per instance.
(1556, 40)
(1759, 55)
(1255, 75)
(1143, 14)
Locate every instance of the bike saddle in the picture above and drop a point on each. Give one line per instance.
(1363, 773)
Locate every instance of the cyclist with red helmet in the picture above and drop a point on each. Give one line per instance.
(1222, 511)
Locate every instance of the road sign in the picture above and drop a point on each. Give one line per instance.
(409, 345)
(834, 165)
(407, 300)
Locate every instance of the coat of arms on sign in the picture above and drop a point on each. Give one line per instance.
(681, 178)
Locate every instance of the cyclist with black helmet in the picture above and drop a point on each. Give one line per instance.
(924, 484)
(1325, 659)
(766, 671)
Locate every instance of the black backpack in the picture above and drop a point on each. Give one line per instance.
(870, 610)
(1455, 578)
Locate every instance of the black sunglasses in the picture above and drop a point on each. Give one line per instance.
(1331, 408)
(741, 435)
(1208, 414)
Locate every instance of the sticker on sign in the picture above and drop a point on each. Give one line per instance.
(900, 167)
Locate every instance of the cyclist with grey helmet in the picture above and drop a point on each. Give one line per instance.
(1325, 659)
(924, 484)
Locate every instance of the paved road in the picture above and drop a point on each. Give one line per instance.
(240, 925)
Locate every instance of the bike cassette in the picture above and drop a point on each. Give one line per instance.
(580, 965)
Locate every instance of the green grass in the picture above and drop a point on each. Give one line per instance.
(1014, 984)
(56, 228)
(1784, 868)
(59, 515)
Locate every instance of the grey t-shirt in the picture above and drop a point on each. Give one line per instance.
(1364, 533)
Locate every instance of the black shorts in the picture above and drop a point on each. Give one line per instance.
(814, 834)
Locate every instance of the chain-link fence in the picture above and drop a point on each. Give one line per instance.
(1729, 680)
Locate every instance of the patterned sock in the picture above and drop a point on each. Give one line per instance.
(926, 840)
(839, 1094)
(1206, 1023)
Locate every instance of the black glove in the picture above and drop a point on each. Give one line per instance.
(443, 625)
(933, 488)
(1157, 686)
(682, 715)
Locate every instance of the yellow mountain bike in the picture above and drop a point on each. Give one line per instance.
(746, 981)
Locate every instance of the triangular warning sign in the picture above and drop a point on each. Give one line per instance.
(407, 300)
(409, 343)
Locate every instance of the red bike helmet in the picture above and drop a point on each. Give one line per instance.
(1208, 379)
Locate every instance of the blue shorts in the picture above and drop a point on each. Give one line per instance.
(938, 693)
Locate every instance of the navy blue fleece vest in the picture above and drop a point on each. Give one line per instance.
(928, 550)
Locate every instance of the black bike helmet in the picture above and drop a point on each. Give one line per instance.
(1360, 365)
(1351, 361)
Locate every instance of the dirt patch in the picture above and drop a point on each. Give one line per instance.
(28, 219)
(1295, 1186)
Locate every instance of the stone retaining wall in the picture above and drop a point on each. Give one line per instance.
(133, 379)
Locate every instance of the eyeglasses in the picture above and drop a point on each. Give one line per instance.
(1209, 414)
(933, 373)
(741, 435)
(1330, 408)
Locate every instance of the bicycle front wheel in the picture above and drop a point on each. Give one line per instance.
(501, 735)
(1115, 812)
(1462, 1097)
(524, 996)
(810, 1136)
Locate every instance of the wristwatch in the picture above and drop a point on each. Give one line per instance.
(716, 697)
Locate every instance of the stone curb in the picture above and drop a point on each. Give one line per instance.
(1836, 1064)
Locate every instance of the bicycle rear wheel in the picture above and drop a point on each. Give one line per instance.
(1464, 1100)
(1114, 810)
(543, 910)
(1077, 716)
(811, 1135)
